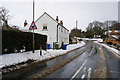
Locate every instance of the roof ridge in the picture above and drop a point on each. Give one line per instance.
(48, 15)
(51, 18)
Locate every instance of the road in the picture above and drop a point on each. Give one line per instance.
(96, 62)
(41, 66)
(90, 61)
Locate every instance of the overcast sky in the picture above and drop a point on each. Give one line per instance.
(68, 11)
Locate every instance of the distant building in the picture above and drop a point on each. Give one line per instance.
(114, 37)
(10, 28)
(54, 30)
(97, 36)
(74, 39)
(7, 28)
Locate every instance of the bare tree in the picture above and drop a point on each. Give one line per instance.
(4, 16)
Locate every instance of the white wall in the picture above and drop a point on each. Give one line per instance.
(63, 36)
(51, 31)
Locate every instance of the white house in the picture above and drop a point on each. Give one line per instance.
(54, 30)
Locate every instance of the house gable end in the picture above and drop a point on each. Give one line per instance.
(47, 15)
(51, 18)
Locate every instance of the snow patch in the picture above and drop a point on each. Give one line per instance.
(112, 49)
(15, 58)
(93, 39)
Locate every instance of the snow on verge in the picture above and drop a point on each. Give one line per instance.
(112, 49)
(69, 48)
(15, 58)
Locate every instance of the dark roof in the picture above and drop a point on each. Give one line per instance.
(52, 19)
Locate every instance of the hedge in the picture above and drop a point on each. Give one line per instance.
(12, 40)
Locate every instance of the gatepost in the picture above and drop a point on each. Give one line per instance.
(40, 50)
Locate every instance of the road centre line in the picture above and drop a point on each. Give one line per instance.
(91, 52)
(78, 70)
(84, 69)
(83, 76)
(89, 72)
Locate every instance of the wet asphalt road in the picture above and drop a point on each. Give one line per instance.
(81, 67)
(87, 63)
(28, 71)
(113, 64)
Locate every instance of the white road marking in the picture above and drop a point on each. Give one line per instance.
(78, 70)
(91, 52)
(83, 76)
(89, 72)
(102, 53)
(84, 69)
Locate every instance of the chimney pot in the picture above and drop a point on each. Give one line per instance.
(57, 18)
(25, 23)
(61, 22)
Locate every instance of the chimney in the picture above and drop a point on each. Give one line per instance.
(25, 23)
(57, 18)
(61, 22)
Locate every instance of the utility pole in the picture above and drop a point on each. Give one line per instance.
(76, 31)
(107, 33)
(33, 29)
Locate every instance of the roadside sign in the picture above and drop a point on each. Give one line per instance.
(32, 26)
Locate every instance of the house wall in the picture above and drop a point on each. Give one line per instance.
(111, 39)
(63, 35)
(115, 42)
(51, 31)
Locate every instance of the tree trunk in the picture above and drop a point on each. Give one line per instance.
(5, 24)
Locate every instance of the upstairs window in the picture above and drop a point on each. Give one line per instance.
(45, 27)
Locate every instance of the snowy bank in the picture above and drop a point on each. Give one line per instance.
(93, 39)
(110, 48)
(15, 58)
(69, 48)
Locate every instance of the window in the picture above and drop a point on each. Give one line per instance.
(44, 27)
